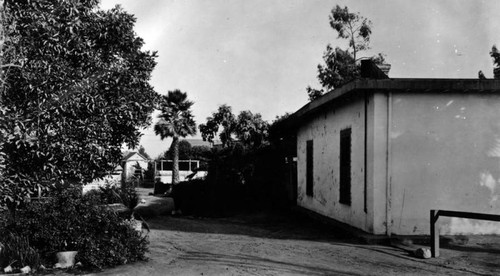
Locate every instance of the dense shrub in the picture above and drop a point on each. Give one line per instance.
(128, 196)
(70, 221)
(110, 194)
(193, 197)
(17, 252)
(107, 194)
(239, 179)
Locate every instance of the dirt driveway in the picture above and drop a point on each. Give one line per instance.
(284, 244)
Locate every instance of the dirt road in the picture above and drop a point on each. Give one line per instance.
(274, 244)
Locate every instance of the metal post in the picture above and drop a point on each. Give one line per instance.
(434, 235)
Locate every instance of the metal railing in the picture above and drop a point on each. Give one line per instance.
(435, 214)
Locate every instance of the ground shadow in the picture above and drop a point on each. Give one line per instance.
(263, 224)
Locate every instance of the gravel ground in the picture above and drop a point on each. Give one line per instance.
(284, 244)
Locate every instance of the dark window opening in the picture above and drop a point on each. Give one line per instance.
(345, 166)
(309, 169)
(183, 165)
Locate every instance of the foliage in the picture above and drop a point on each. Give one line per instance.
(353, 27)
(239, 179)
(128, 196)
(110, 194)
(340, 66)
(275, 130)
(187, 152)
(224, 118)
(107, 194)
(17, 252)
(149, 174)
(251, 129)
(495, 55)
(313, 93)
(77, 91)
(143, 152)
(248, 128)
(201, 152)
(67, 221)
(184, 151)
(176, 120)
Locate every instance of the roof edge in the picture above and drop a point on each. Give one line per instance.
(425, 85)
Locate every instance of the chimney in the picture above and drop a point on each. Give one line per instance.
(370, 70)
(385, 68)
(496, 72)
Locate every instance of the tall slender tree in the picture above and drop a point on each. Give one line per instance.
(341, 66)
(176, 120)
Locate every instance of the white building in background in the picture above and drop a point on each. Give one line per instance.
(187, 168)
(133, 163)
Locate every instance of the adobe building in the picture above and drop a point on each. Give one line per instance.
(379, 153)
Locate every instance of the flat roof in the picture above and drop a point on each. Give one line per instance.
(409, 85)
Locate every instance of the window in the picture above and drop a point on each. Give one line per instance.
(194, 165)
(183, 165)
(168, 165)
(345, 166)
(309, 168)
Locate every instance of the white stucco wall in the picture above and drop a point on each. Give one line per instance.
(324, 130)
(445, 154)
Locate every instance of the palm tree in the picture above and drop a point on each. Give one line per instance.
(175, 121)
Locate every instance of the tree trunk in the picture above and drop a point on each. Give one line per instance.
(175, 165)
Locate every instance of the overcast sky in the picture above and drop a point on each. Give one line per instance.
(261, 55)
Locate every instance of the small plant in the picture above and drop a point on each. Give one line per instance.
(17, 252)
(129, 197)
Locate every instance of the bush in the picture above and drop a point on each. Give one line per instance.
(107, 194)
(70, 221)
(239, 179)
(192, 197)
(17, 252)
(128, 196)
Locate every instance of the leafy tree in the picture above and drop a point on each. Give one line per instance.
(76, 89)
(250, 129)
(175, 121)
(353, 27)
(495, 55)
(201, 152)
(340, 66)
(223, 117)
(313, 93)
(143, 152)
(184, 151)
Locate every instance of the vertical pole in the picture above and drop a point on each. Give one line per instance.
(365, 164)
(388, 192)
(434, 234)
(154, 174)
